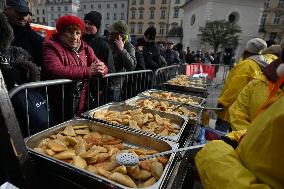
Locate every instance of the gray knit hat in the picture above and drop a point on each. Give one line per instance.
(255, 45)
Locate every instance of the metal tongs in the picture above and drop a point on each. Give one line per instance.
(130, 159)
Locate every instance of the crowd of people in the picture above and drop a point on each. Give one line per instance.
(251, 100)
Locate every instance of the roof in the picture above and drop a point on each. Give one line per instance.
(175, 32)
(185, 3)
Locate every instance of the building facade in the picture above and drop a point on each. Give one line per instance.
(2, 4)
(245, 13)
(47, 12)
(272, 20)
(146, 13)
(111, 10)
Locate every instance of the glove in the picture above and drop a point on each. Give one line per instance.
(229, 141)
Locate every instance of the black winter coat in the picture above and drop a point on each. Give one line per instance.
(101, 49)
(30, 41)
(152, 56)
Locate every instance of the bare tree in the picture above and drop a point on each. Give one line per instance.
(220, 33)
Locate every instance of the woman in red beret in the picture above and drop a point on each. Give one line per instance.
(65, 55)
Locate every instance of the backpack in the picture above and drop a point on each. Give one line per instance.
(40, 115)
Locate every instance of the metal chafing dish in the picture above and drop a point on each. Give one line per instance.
(174, 118)
(149, 93)
(174, 106)
(86, 178)
(190, 86)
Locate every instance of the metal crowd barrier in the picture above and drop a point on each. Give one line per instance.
(164, 74)
(100, 90)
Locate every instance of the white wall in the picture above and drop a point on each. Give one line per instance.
(249, 18)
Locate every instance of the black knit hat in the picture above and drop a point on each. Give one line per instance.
(95, 18)
(151, 32)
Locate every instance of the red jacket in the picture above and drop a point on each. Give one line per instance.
(61, 62)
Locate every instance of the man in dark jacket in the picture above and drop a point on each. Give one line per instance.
(18, 13)
(152, 56)
(99, 45)
(171, 55)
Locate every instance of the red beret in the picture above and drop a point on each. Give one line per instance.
(68, 20)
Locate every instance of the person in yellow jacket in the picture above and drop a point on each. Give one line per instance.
(257, 162)
(252, 97)
(248, 67)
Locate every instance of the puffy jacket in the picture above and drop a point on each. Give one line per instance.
(249, 101)
(237, 79)
(62, 62)
(257, 162)
(124, 60)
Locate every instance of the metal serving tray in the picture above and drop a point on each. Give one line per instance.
(115, 106)
(176, 105)
(87, 178)
(185, 88)
(151, 91)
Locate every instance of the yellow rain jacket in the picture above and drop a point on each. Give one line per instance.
(248, 103)
(257, 163)
(237, 79)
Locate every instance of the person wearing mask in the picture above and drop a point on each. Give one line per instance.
(17, 12)
(123, 51)
(99, 45)
(66, 56)
(256, 159)
(152, 55)
(252, 97)
(171, 55)
(250, 66)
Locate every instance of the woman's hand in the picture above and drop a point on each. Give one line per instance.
(119, 43)
(98, 68)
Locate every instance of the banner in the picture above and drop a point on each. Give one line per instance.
(200, 68)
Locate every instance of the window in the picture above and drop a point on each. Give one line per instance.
(133, 2)
(152, 14)
(133, 14)
(152, 2)
(177, 1)
(263, 19)
(58, 9)
(115, 6)
(37, 11)
(92, 6)
(99, 6)
(141, 12)
(107, 6)
(66, 8)
(52, 16)
(43, 19)
(122, 5)
(277, 18)
(107, 16)
(266, 3)
(43, 11)
(114, 16)
(141, 2)
(164, 1)
(162, 28)
(132, 28)
(192, 21)
(176, 13)
(272, 36)
(51, 9)
(163, 14)
(122, 16)
(151, 24)
(140, 27)
(84, 6)
(281, 4)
